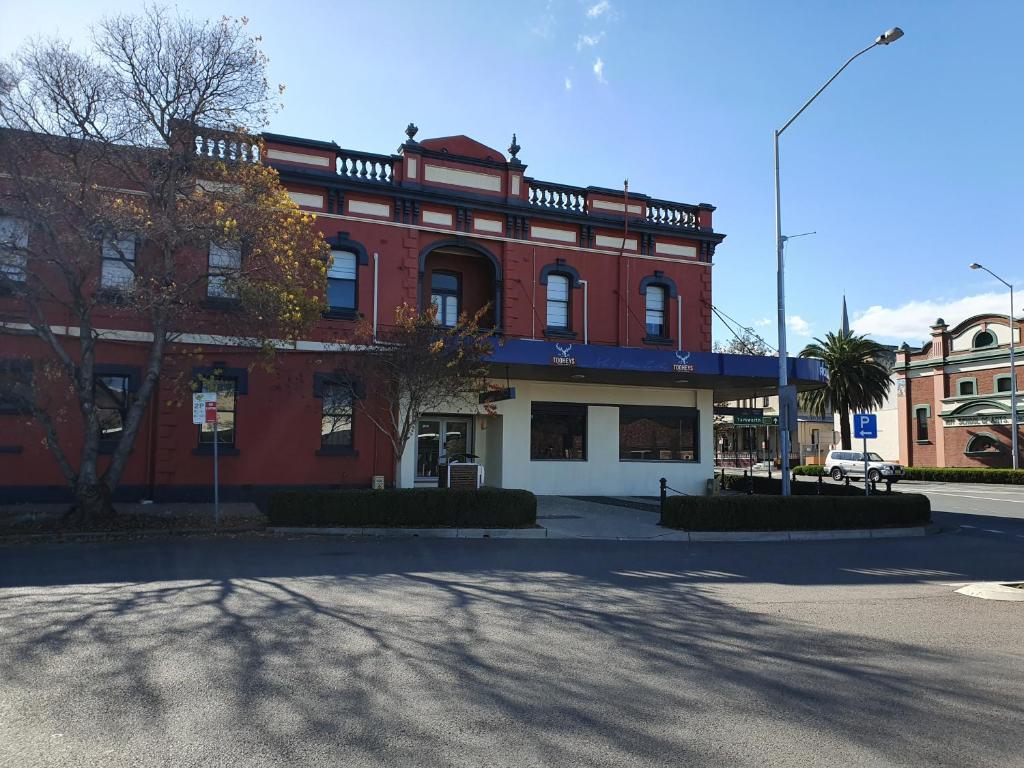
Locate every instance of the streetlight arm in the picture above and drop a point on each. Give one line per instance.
(997, 277)
(817, 93)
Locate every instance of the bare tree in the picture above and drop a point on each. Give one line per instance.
(413, 367)
(132, 196)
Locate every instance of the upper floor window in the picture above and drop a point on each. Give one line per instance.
(558, 301)
(118, 269)
(341, 280)
(1003, 383)
(13, 244)
(656, 326)
(224, 268)
(984, 339)
(445, 296)
(965, 387)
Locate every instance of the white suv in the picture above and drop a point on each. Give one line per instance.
(840, 464)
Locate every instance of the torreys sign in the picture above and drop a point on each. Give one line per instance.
(201, 402)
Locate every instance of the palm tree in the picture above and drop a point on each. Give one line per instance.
(858, 378)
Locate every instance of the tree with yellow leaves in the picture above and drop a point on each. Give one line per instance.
(132, 197)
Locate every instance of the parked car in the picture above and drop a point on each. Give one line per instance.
(840, 464)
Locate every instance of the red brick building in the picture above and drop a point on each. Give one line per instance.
(953, 395)
(602, 299)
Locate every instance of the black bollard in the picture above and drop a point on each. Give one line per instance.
(888, 485)
(664, 493)
(750, 482)
(821, 482)
(847, 481)
(722, 481)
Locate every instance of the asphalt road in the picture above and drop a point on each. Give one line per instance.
(345, 652)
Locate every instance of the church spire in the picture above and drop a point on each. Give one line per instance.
(846, 319)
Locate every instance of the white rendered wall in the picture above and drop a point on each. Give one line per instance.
(601, 474)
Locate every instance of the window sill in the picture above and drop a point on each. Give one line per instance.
(11, 449)
(107, 447)
(337, 450)
(341, 314)
(9, 290)
(560, 333)
(663, 341)
(922, 442)
(206, 449)
(575, 460)
(659, 461)
(14, 410)
(115, 297)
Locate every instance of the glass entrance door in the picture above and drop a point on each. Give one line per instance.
(438, 440)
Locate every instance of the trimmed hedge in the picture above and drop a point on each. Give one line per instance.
(405, 508)
(965, 475)
(796, 513)
(773, 486)
(809, 470)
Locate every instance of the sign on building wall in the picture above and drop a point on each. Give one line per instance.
(563, 357)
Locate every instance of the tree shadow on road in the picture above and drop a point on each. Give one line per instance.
(389, 655)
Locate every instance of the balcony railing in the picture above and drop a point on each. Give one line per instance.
(557, 197)
(364, 166)
(224, 147)
(671, 214)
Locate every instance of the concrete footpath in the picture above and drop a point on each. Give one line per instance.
(610, 519)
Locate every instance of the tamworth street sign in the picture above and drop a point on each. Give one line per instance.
(740, 420)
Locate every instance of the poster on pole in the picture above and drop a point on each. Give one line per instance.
(199, 401)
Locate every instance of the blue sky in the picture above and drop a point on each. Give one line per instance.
(908, 168)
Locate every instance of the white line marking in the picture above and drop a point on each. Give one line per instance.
(991, 530)
(968, 496)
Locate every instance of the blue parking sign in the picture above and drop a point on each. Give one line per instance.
(865, 425)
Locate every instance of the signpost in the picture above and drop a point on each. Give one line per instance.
(865, 425)
(204, 411)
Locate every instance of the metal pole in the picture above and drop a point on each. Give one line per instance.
(1013, 387)
(216, 479)
(865, 456)
(780, 246)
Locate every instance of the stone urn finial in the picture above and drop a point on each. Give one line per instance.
(411, 130)
(513, 149)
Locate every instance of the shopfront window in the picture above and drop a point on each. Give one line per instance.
(648, 433)
(558, 432)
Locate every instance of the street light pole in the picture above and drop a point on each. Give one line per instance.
(1013, 369)
(780, 244)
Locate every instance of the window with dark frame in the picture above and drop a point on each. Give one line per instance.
(984, 339)
(1003, 384)
(336, 418)
(445, 296)
(225, 266)
(558, 301)
(965, 388)
(653, 433)
(112, 395)
(15, 387)
(922, 424)
(342, 281)
(13, 244)
(227, 390)
(655, 321)
(558, 432)
(117, 271)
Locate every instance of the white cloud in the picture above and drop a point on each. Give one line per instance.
(911, 321)
(598, 9)
(568, 84)
(798, 325)
(763, 322)
(588, 41)
(599, 70)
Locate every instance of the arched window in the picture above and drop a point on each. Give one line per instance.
(656, 326)
(984, 339)
(558, 301)
(983, 443)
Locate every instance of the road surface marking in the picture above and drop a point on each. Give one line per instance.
(991, 530)
(969, 496)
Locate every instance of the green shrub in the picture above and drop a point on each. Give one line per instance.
(794, 513)
(809, 470)
(405, 508)
(965, 475)
(773, 485)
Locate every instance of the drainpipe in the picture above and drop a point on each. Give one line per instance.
(586, 312)
(533, 300)
(679, 312)
(376, 270)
